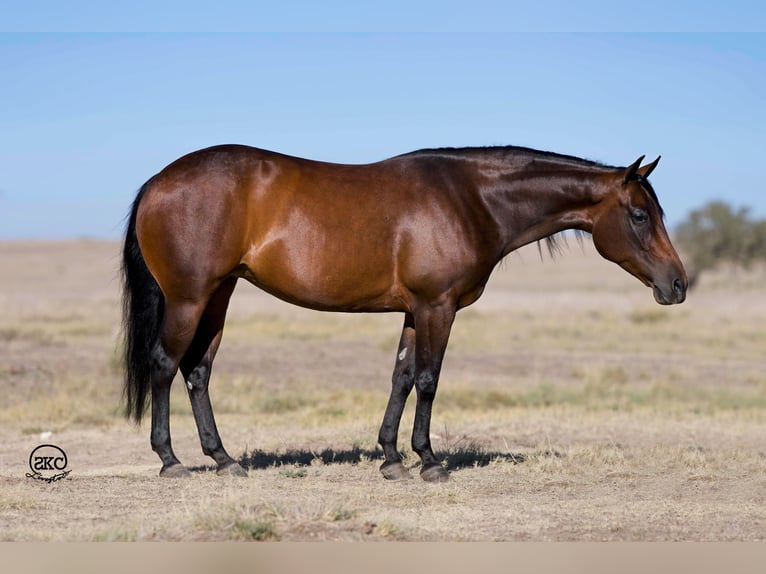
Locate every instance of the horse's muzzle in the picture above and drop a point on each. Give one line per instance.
(673, 294)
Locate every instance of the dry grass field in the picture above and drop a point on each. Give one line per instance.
(571, 408)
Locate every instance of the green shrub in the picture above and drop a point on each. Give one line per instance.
(719, 233)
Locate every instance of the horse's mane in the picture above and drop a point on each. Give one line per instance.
(513, 151)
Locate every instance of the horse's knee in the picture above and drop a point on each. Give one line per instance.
(198, 378)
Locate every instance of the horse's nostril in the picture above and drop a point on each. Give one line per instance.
(678, 287)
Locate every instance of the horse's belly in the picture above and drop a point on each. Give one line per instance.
(325, 278)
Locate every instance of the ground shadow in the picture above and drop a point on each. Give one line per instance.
(453, 459)
(259, 459)
(457, 459)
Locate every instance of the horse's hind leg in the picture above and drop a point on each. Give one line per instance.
(196, 367)
(402, 382)
(178, 328)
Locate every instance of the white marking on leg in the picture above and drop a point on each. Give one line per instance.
(402, 354)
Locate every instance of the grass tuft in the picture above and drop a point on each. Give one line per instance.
(239, 521)
(250, 529)
(293, 472)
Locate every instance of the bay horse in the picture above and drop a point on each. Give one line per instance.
(418, 233)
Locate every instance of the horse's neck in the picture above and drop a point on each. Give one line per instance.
(530, 205)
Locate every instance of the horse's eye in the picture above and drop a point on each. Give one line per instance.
(639, 216)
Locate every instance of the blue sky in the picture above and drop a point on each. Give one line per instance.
(86, 118)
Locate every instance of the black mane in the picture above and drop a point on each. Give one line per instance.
(518, 151)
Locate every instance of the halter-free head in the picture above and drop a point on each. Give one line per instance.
(628, 229)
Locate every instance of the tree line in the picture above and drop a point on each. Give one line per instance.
(717, 234)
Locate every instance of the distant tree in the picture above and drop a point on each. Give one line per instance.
(757, 243)
(718, 233)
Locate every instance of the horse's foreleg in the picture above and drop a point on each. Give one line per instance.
(402, 382)
(432, 329)
(196, 368)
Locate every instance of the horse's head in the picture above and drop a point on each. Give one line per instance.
(628, 229)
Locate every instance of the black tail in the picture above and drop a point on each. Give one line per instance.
(143, 306)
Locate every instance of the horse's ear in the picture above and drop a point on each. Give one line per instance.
(649, 168)
(632, 170)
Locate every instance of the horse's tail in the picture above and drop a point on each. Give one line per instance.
(143, 306)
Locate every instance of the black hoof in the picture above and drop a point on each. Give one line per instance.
(231, 469)
(175, 471)
(434, 472)
(395, 471)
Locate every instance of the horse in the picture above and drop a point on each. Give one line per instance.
(418, 234)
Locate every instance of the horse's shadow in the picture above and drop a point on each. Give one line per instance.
(453, 459)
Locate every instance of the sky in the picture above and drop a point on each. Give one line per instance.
(86, 118)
